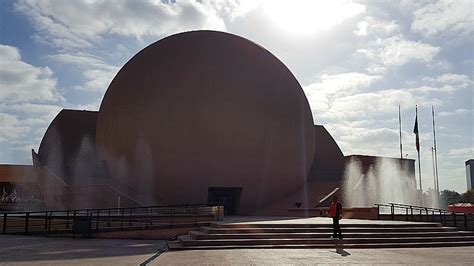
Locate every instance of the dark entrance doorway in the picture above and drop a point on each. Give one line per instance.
(227, 196)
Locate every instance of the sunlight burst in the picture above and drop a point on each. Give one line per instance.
(306, 17)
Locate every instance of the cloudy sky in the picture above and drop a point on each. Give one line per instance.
(356, 61)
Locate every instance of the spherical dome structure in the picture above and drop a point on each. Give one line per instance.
(201, 110)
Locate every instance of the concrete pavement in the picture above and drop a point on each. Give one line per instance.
(418, 256)
(33, 250)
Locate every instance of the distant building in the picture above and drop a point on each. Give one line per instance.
(470, 173)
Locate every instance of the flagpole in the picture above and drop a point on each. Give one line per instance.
(435, 149)
(418, 151)
(419, 177)
(400, 130)
(434, 168)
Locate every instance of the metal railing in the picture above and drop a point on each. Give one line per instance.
(87, 221)
(398, 211)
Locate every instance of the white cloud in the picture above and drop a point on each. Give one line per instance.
(79, 59)
(96, 72)
(327, 88)
(341, 84)
(379, 28)
(398, 51)
(357, 138)
(362, 28)
(444, 83)
(78, 24)
(371, 104)
(97, 80)
(467, 152)
(11, 127)
(347, 96)
(20, 81)
(445, 17)
(429, 89)
(31, 108)
(452, 79)
(233, 8)
(461, 111)
(90, 107)
(29, 99)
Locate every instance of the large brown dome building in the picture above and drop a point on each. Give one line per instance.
(201, 112)
(196, 117)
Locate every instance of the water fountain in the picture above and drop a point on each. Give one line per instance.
(387, 180)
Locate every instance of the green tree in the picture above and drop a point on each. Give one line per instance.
(449, 197)
(468, 197)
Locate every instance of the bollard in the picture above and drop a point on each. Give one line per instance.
(67, 219)
(4, 223)
(97, 222)
(27, 218)
(392, 209)
(465, 220)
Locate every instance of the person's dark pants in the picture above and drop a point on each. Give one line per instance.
(337, 233)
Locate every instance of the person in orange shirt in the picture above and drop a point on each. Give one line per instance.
(335, 211)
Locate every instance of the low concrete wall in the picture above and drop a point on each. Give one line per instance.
(369, 213)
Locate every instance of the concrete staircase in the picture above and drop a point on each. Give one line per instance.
(314, 235)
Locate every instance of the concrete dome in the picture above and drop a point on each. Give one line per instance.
(205, 109)
(68, 147)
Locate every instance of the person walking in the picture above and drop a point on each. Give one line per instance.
(335, 212)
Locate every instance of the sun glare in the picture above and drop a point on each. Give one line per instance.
(306, 17)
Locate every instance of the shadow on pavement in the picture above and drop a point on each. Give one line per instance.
(31, 248)
(340, 249)
(342, 252)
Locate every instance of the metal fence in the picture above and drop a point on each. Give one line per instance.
(397, 211)
(86, 221)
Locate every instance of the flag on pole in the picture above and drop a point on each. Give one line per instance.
(415, 130)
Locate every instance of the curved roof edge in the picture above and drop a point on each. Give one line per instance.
(68, 141)
(329, 161)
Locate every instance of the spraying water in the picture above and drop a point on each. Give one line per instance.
(387, 180)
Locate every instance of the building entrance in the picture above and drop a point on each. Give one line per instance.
(229, 197)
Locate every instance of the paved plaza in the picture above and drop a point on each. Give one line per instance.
(32, 250)
(418, 256)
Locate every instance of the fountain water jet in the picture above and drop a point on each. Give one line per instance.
(387, 180)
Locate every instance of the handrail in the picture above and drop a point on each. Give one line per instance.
(106, 209)
(108, 218)
(416, 207)
(419, 207)
(443, 213)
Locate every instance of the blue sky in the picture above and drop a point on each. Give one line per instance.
(356, 61)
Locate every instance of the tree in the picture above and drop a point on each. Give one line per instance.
(450, 197)
(468, 197)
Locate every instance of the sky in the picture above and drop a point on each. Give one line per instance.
(357, 61)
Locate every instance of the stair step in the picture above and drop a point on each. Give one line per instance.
(188, 241)
(325, 225)
(198, 235)
(178, 246)
(211, 230)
